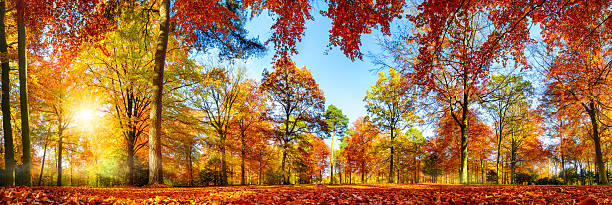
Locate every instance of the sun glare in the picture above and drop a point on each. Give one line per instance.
(86, 118)
(86, 115)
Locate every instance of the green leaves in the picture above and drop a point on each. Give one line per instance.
(337, 123)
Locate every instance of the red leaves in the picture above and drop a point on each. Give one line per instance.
(370, 194)
(290, 21)
(201, 15)
(351, 18)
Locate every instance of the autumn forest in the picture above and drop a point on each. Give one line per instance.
(158, 97)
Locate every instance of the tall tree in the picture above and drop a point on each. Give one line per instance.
(337, 124)
(249, 120)
(506, 91)
(298, 103)
(116, 69)
(579, 74)
(9, 153)
(216, 95)
(198, 22)
(155, 143)
(359, 150)
(26, 158)
(457, 44)
(523, 130)
(391, 105)
(446, 144)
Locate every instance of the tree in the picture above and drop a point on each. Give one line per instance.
(446, 144)
(116, 69)
(432, 166)
(249, 120)
(155, 144)
(359, 149)
(23, 95)
(337, 124)
(9, 155)
(506, 91)
(457, 44)
(410, 148)
(193, 19)
(391, 105)
(297, 105)
(524, 130)
(57, 93)
(313, 154)
(217, 95)
(578, 75)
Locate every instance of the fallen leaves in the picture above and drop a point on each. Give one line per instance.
(312, 194)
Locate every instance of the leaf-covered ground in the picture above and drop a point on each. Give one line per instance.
(314, 194)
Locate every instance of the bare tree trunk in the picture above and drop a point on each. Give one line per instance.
(259, 176)
(224, 180)
(130, 163)
(242, 156)
(463, 177)
(190, 165)
(59, 155)
(42, 165)
(284, 161)
(499, 141)
(26, 158)
(391, 157)
(9, 153)
(363, 173)
(513, 161)
(155, 145)
(331, 160)
(601, 168)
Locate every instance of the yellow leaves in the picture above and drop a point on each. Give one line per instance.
(10, 55)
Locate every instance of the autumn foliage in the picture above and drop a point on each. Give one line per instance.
(162, 94)
(346, 194)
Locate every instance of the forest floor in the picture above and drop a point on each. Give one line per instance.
(312, 194)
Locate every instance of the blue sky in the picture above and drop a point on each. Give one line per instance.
(344, 83)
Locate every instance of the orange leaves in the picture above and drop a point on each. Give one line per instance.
(72, 23)
(352, 18)
(371, 194)
(201, 15)
(290, 21)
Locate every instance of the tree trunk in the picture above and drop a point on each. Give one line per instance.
(463, 176)
(155, 146)
(563, 164)
(284, 173)
(130, 163)
(391, 157)
(482, 172)
(601, 168)
(9, 153)
(130, 134)
(42, 165)
(331, 161)
(363, 173)
(499, 141)
(259, 176)
(23, 97)
(59, 155)
(223, 161)
(242, 155)
(190, 165)
(416, 170)
(513, 161)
